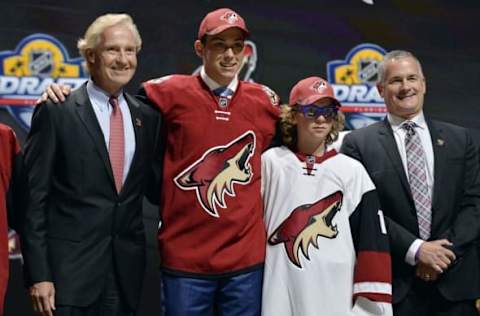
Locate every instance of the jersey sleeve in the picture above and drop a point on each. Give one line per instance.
(372, 276)
(268, 115)
(267, 175)
(17, 188)
(156, 93)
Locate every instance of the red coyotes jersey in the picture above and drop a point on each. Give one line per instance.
(9, 149)
(211, 208)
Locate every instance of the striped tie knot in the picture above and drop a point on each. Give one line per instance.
(113, 101)
(409, 127)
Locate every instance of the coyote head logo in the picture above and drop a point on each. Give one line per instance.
(217, 170)
(305, 224)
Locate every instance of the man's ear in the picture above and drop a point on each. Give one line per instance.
(380, 88)
(199, 48)
(90, 56)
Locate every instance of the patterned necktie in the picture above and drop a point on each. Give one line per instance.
(116, 148)
(417, 176)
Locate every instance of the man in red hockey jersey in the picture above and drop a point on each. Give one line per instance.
(11, 190)
(212, 238)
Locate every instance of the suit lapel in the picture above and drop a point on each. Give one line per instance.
(440, 163)
(89, 119)
(390, 146)
(137, 124)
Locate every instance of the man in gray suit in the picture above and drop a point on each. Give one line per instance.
(427, 178)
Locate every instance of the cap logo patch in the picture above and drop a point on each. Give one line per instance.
(230, 17)
(319, 86)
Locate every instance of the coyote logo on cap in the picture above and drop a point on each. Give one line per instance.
(303, 226)
(215, 173)
(230, 17)
(319, 86)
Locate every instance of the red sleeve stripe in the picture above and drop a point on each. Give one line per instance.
(373, 266)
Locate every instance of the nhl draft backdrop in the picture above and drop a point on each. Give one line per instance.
(341, 40)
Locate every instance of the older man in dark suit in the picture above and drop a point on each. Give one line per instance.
(88, 160)
(427, 177)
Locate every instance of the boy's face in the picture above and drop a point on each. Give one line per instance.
(223, 55)
(314, 129)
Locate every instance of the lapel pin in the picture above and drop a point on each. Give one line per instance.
(138, 122)
(440, 142)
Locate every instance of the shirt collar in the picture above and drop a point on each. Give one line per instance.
(100, 96)
(397, 121)
(318, 159)
(214, 85)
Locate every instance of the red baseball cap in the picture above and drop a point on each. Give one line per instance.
(310, 90)
(219, 20)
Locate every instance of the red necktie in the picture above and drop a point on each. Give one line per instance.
(116, 149)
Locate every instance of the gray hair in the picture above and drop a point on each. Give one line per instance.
(392, 55)
(93, 34)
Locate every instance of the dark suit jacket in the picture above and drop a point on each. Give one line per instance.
(455, 201)
(76, 222)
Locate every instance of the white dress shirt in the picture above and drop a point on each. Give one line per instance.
(214, 85)
(399, 133)
(103, 109)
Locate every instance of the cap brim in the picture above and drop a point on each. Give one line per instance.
(222, 28)
(314, 98)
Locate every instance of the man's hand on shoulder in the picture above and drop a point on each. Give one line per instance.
(55, 93)
(43, 298)
(436, 255)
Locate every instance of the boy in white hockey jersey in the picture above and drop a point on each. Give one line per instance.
(327, 251)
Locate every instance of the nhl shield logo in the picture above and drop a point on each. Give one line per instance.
(223, 102)
(368, 71)
(41, 63)
(354, 82)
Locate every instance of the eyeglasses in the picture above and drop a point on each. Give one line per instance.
(313, 111)
(221, 47)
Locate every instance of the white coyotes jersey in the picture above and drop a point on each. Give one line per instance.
(310, 257)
